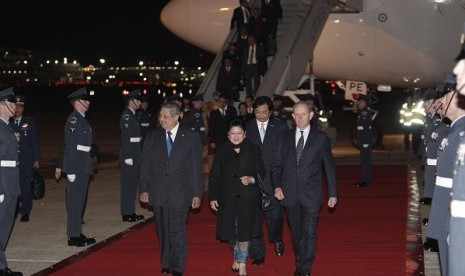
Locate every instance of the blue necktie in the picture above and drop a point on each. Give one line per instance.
(169, 143)
(300, 146)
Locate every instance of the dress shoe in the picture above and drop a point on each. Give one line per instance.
(80, 241)
(258, 261)
(175, 273)
(25, 218)
(300, 273)
(165, 271)
(6, 271)
(362, 184)
(133, 218)
(426, 200)
(279, 248)
(431, 245)
(425, 221)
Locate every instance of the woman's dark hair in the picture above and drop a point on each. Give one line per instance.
(236, 123)
(241, 104)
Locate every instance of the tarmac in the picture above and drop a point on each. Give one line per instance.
(42, 242)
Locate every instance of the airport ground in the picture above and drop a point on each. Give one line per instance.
(41, 242)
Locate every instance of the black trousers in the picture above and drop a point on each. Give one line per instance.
(365, 160)
(303, 223)
(171, 228)
(76, 197)
(7, 214)
(128, 189)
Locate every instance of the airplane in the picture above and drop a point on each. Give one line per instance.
(395, 43)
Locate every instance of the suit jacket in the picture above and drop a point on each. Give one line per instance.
(238, 17)
(272, 11)
(302, 183)
(218, 125)
(227, 82)
(28, 151)
(171, 180)
(9, 172)
(130, 137)
(274, 130)
(260, 57)
(78, 142)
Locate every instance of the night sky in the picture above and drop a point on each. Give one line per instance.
(88, 30)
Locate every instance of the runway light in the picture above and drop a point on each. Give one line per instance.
(141, 63)
(92, 92)
(176, 62)
(102, 61)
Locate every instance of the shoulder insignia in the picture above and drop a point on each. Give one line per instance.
(72, 129)
(126, 125)
(434, 136)
(73, 120)
(126, 117)
(461, 155)
(197, 115)
(443, 144)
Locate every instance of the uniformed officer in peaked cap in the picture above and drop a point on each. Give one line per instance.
(129, 158)
(77, 164)
(457, 205)
(28, 154)
(364, 139)
(9, 175)
(194, 119)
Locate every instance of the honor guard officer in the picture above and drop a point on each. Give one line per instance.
(9, 175)
(364, 139)
(129, 158)
(447, 153)
(194, 119)
(28, 154)
(77, 164)
(143, 116)
(457, 205)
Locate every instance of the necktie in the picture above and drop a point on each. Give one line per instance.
(300, 146)
(169, 143)
(227, 69)
(17, 122)
(262, 131)
(251, 54)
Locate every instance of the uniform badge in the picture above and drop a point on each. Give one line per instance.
(461, 155)
(24, 128)
(126, 117)
(72, 129)
(434, 136)
(443, 144)
(73, 120)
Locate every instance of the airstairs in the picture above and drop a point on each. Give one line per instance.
(303, 21)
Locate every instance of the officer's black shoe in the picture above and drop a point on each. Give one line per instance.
(431, 245)
(258, 261)
(9, 272)
(133, 218)
(80, 241)
(165, 271)
(425, 221)
(279, 248)
(25, 218)
(426, 200)
(363, 184)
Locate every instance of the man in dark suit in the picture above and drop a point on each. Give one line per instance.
(28, 154)
(264, 132)
(143, 116)
(9, 175)
(241, 15)
(296, 172)
(253, 65)
(171, 180)
(228, 81)
(129, 158)
(273, 14)
(218, 122)
(78, 166)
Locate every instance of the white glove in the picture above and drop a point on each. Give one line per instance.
(2, 197)
(71, 177)
(128, 162)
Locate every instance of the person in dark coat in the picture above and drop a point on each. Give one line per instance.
(28, 154)
(234, 193)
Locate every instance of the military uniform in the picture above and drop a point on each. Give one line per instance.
(129, 159)
(364, 141)
(9, 182)
(144, 119)
(194, 121)
(438, 217)
(26, 131)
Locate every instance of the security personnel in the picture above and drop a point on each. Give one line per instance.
(9, 175)
(77, 164)
(364, 139)
(457, 205)
(129, 158)
(143, 116)
(26, 131)
(412, 120)
(194, 119)
(447, 153)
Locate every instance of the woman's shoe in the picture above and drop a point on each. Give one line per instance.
(235, 267)
(242, 270)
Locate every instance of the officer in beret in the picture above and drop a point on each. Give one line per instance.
(28, 154)
(364, 138)
(143, 116)
(9, 175)
(446, 159)
(129, 158)
(194, 119)
(457, 204)
(77, 165)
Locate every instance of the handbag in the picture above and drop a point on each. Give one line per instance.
(37, 185)
(266, 203)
